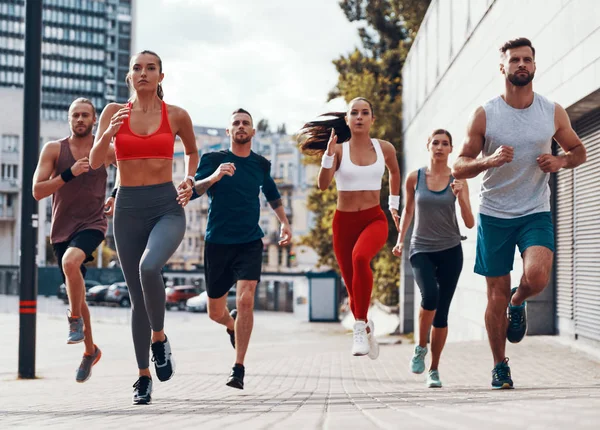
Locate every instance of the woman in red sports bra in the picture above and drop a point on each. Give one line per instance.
(360, 226)
(149, 219)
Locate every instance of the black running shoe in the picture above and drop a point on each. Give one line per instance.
(231, 333)
(517, 321)
(501, 376)
(142, 393)
(236, 377)
(164, 364)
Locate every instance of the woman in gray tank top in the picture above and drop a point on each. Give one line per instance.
(435, 250)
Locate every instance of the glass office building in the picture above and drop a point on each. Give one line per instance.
(85, 51)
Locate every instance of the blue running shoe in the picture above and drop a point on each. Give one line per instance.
(433, 379)
(517, 321)
(417, 364)
(501, 376)
(75, 330)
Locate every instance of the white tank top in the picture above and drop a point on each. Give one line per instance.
(350, 177)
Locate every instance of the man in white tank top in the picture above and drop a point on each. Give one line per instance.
(514, 133)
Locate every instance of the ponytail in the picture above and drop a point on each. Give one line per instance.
(314, 136)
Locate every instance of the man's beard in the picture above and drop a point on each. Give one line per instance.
(519, 80)
(242, 140)
(86, 133)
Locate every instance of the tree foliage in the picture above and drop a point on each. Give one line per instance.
(387, 29)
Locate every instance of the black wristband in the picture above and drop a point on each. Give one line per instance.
(67, 175)
(114, 192)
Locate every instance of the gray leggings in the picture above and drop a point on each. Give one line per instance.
(149, 225)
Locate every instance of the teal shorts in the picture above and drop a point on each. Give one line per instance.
(497, 238)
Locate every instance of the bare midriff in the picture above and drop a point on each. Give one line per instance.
(354, 201)
(145, 171)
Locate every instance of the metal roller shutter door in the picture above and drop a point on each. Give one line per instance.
(564, 244)
(586, 231)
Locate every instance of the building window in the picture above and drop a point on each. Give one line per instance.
(10, 143)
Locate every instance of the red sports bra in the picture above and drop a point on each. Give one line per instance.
(132, 146)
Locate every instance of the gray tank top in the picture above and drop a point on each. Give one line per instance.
(520, 187)
(79, 204)
(436, 228)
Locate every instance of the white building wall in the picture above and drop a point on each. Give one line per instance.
(445, 81)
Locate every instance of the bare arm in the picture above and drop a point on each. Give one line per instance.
(409, 208)
(391, 161)
(43, 185)
(185, 130)
(575, 152)
(460, 188)
(468, 165)
(326, 174)
(110, 121)
(186, 133)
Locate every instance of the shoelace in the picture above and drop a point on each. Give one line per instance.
(359, 335)
(141, 385)
(158, 351)
(73, 326)
(421, 354)
(502, 371)
(516, 318)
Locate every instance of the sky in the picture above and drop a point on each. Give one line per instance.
(270, 57)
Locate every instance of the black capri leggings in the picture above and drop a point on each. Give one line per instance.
(437, 274)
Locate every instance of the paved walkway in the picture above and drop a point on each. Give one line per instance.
(299, 376)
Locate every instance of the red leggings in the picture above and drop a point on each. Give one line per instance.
(357, 238)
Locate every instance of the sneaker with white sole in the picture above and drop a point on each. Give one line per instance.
(433, 379)
(360, 345)
(373, 345)
(164, 364)
(417, 363)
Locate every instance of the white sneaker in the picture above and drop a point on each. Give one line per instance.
(373, 345)
(361, 342)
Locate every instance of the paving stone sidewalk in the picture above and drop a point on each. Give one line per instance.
(299, 376)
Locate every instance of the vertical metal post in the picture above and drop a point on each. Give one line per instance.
(29, 207)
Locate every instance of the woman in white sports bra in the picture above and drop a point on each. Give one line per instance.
(360, 227)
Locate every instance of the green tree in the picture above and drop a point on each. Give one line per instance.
(263, 126)
(387, 29)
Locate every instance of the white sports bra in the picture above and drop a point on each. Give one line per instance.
(350, 177)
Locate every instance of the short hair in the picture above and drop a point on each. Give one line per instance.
(240, 110)
(517, 43)
(83, 100)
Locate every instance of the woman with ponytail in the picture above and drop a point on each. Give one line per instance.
(149, 219)
(360, 228)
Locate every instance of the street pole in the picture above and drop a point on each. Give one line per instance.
(29, 207)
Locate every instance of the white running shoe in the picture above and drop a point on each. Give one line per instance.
(360, 345)
(373, 345)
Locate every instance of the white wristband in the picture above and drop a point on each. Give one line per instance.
(327, 161)
(393, 202)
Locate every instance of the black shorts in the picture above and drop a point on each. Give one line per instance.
(224, 265)
(86, 240)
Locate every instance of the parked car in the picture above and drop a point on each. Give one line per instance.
(61, 293)
(118, 294)
(97, 294)
(178, 296)
(200, 302)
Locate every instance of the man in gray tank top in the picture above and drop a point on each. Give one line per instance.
(514, 133)
(78, 220)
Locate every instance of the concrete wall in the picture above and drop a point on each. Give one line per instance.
(453, 68)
